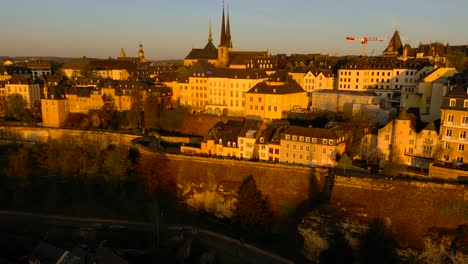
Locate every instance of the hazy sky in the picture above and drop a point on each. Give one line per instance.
(169, 29)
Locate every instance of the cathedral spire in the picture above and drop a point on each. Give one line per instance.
(228, 32)
(210, 36)
(122, 53)
(222, 41)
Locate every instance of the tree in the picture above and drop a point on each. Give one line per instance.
(136, 111)
(457, 60)
(378, 245)
(18, 164)
(116, 164)
(152, 111)
(345, 162)
(395, 164)
(252, 210)
(16, 107)
(107, 112)
(338, 252)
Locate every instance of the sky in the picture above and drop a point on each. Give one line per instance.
(170, 29)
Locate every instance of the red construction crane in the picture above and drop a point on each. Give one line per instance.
(364, 41)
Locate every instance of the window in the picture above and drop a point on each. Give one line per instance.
(464, 120)
(460, 160)
(448, 133)
(301, 147)
(330, 142)
(410, 151)
(307, 148)
(287, 137)
(465, 103)
(463, 134)
(294, 137)
(453, 102)
(287, 146)
(447, 145)
(387, 137)
(461, 147)
(294, 147)
(450, 118)
(325, 141)
(314, 140)
(301, 138)
(411, 142)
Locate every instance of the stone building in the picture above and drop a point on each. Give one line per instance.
(312, 146)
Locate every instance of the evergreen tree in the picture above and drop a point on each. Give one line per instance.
(338, 252)
(252, 210)
(378, 245)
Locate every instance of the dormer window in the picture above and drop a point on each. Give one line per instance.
(262, 140)
(229, 143)
(301, 138)
(453, 102)
(314, 140)
(220, 141)
(294, 138)
(331, 142)
(287, 137)
(465, 104)
(325, 141)
(233, 144)
(307, 139)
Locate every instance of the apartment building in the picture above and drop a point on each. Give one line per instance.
(271, 100)
(311, 146)
(399, 142)
(388, 77)
(30, 91)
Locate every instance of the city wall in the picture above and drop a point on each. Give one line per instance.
(210, 184)
(410, 207)
(40, 134)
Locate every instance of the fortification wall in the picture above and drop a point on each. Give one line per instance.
(40, 134)
(210, 184)
(410, 207)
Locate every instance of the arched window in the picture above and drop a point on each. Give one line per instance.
(229, 143)
(220, 141)
(233, 144)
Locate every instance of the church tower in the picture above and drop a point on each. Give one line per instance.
(223, 48)
(141, 53)
(122, 53)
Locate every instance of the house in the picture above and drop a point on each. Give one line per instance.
(312, 146)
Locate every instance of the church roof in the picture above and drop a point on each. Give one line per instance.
(395, 46)
(209, 52)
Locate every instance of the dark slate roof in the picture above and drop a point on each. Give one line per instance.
(57, 92)
(279, 76)
(266, 134)
(459, 91)
(79, 91)
(245, 57)
(394, 45)
(167, 77)
(19, 80)
(201, 68)
(354, 93)
(287, 88)
(312, 132)
(209, 52)
(250, 124)
(226, 132)
(384, 63)
(239, 73)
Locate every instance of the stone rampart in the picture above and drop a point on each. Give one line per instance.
(210, 184)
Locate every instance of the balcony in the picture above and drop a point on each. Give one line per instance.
(419, 155)
(455, 124)
(454, 139)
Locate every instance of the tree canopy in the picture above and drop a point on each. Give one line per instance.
(252, 210)
(16, 107)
